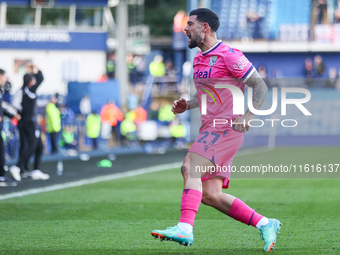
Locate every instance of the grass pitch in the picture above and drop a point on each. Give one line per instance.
(116, 217)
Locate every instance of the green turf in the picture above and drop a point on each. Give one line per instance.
(116, 217)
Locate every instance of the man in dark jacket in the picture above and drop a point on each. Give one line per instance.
(9, 111)
(30, 135)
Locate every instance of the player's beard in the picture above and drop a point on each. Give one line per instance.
(194, 41)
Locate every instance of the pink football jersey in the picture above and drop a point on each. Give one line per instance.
(220, 64)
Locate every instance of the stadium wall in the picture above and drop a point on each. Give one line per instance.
(58, 66)
(291, 64)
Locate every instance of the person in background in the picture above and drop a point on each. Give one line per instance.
(337, 84)
(321, 12)
(333, 78)
(154, 111)
(140, 115)
(111, 66)
(308, 70)
(85, 105)
(110, 115)
(157, 67)
(132, 69)
(165, 115)
(337, 13)
(53, 123)
(263, 72)
(132, 99)
(128, 128)
(68, 140)
(103, 78)
(67, 115)
(25, 101)
(7, 89)
(93, 122)
(178, 133)
(319, 66)
(4, 110)
(59, 100)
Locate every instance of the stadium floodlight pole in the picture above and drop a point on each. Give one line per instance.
(3, 10)
(37, 19)
(122, 68)
(191, 53)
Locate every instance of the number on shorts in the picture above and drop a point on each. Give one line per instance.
(205, 134)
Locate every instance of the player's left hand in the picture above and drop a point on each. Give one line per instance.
(242, 122)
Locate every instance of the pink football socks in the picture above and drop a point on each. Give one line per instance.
(191, 200)
(243, 213)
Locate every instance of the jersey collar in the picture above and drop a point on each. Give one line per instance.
(212, 48)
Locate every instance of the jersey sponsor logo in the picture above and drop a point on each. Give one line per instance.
(241, 63)
(205, 74)
(212, 60)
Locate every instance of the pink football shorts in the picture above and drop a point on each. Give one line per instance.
(220, 148)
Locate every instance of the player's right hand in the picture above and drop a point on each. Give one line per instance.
(179, 106)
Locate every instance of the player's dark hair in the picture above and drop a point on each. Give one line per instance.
(27, 78)
(207, 15)
(2, 71)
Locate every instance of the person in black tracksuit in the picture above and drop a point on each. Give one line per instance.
(9, 111)
(30, 134)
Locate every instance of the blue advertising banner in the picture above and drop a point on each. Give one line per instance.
(52, 40)
(79, 3)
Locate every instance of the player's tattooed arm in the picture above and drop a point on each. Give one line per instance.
(259, 94)
(259, 90)
(193, 102)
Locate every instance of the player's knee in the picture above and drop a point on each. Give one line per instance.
(185, 171)
(209, 199)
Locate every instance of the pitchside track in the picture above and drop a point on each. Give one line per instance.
(117, 216)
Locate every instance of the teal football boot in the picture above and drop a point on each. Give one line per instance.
(269, 233)
(174, 234)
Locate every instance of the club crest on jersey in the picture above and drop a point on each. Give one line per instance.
(212, 60)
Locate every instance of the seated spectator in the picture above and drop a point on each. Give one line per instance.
(68, 139)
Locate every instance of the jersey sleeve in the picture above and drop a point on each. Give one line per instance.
(238, 65)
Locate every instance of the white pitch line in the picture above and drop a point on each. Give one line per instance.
(92, 180)
(112, 177)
